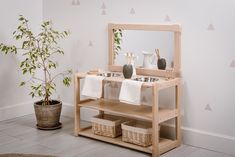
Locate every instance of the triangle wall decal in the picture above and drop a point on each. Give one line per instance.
(208, 107)
(232, 64)
(132, 11)
(167, 19)
(211, 27)
(103, 12)
(90, 44)
(75, 2)
(103, 6)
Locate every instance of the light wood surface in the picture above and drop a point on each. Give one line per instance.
(147, 72)
(178, 118)
(162, 83)
(150, 27)
(141, 112)
(150, 113)
(76, 107)
(175, 28)
(164, 144)
(177, 48)
(155, 121)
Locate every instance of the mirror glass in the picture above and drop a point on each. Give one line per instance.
(137, 41)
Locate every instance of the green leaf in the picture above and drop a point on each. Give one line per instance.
(24, 71)
(22, 83)
(22, 64)
(21, 18)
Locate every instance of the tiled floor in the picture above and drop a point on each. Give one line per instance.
(20, 136)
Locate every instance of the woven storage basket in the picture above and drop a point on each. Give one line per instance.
(137, 132)
(106, 125)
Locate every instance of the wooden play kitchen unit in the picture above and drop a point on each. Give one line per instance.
(168, 78)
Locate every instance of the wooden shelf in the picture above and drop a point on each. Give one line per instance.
(153, 113)
(164, 144)
(162, 83)
(142, 112)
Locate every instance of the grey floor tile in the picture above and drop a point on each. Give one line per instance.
(182, 151)
(36, 149)
(225, 155)
(20, 135)
(6, 125)
(63, 141)
(15, 145)
(205, 153)
(36, 135)
(5, 139)
(18, 130)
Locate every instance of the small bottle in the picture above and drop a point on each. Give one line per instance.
(132, 61)
(128, 68)
(161, 62)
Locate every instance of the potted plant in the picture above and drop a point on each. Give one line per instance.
(38, 53)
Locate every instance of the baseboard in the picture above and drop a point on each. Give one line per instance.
(86, 113)
(67, 110)
(26, 108)
(203, 139)
(17, 110)
(194, 137)
(209, 140)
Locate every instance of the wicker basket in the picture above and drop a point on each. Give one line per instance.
(137, 132)
(107, 125)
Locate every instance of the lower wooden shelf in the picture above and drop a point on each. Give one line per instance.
(142, 112)
(164, 144)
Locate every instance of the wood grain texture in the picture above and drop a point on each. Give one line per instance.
(76, 106)
(164, 144)
(141, 112)
(155, 121)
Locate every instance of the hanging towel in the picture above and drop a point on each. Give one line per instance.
(93, 86)
(131, 92)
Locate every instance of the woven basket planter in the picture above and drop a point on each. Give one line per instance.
(107, 125)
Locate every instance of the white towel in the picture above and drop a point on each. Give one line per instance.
(131, 92)
(93, 86)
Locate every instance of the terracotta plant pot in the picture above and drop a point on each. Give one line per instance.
(48, 116)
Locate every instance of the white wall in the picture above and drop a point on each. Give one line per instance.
(207, 53)
(11, 95)
(208, 37)
(137, 41)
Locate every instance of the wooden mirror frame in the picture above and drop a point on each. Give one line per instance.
(175, 28)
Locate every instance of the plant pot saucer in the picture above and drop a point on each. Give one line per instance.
(50, 128)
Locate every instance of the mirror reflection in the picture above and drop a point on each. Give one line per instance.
(144, 45)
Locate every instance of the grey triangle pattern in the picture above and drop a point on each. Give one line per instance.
(232, 64)
(75, 2)
(211, 27)
(132, 11)
(103, 12)
(103, 6)
(167, 18)
(208, 107)
(90, 44)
